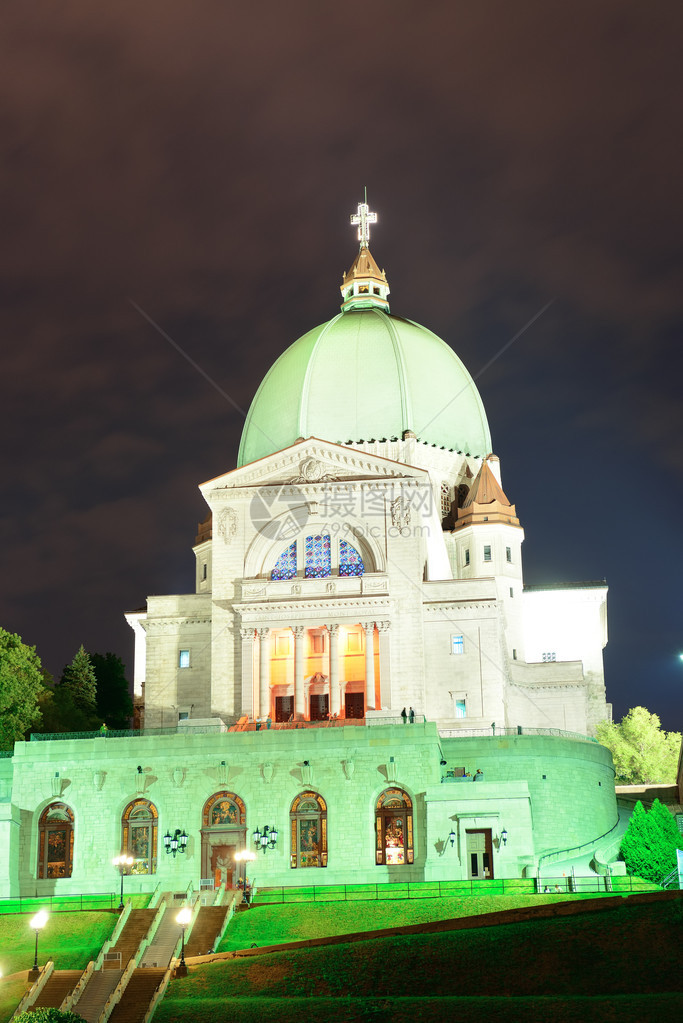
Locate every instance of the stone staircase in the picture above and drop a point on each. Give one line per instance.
(139, 992)
(95, 994)
(160, 952)
(60, 984)
(102, 982)
(206, 929)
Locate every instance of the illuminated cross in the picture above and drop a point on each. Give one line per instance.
(363, 218)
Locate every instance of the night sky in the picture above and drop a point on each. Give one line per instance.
(201, 160)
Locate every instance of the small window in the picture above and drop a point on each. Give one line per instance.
(549, 656)
(184, 659)
(508, 555)
(514, 654)
(487, 553)
(467, 558)
(205, 570)
(458, 645)
(363, 289)
(375, 291)
(445, 500)
(512, 592)
(486, 518)
(183, 715)
(461, 708)
(317, 643)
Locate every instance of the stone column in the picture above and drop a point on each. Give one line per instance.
(369, 628)
(264, 672)
(335, 695)
(247, 672)
(384, 663)
(299, 704)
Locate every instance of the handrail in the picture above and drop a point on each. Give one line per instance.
(158, 995)
(117, 993)
(495, 731)
(149, 937)
(35, 989)
(155, 894)
(73, 996)
(561, 854)
(229, 913)
(115, 934)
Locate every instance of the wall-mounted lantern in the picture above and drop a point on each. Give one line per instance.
(265, 839)
(177, 842)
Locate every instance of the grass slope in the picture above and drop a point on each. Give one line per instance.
(596, 960)
(276, 925)
(71, 939)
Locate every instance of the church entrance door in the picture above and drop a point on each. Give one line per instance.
(284, 707)
(354, 705)
(218, 855)
(479, 855)
(320, 707)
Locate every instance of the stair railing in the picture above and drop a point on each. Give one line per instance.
(115, 934)
(157, 996)
(74, 995)
(156, 895)
(149, 937)
(35, 989)
(115, 996)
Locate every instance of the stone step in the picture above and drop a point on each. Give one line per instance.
(60, 984)
(138, 994)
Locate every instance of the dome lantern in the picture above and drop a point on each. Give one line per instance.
(364, 285)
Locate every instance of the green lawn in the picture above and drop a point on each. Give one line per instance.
(588, 962)
(71, 939)
(277, 924)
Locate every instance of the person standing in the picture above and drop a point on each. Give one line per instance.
(404, 715)
(412, 716)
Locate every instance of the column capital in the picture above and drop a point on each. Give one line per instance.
(333, 629)
(383, 626)
(263, 632)
(247, 633)
(368, 626)
(298, 630)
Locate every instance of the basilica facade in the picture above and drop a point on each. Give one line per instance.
(360, 682)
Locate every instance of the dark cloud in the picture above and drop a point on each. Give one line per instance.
(202, 160)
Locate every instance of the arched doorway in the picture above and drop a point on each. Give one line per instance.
(224, 832)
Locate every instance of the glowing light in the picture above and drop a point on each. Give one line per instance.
(184, 916)
(39, 920)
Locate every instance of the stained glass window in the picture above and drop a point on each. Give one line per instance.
(318, 560)
(56, 841)
(285, 566)
(350, 561)
(139, 835)
(308, 825)
(394, 829)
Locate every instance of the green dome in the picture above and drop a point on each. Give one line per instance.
(366, 375)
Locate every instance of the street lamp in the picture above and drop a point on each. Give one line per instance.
(183, 918)
(37, 923)
(176, 842)
(244, 856)
(265, 839)
(123, 863)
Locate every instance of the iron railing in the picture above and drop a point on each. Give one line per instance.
(564, 885)
(495, 730)
(59, 903)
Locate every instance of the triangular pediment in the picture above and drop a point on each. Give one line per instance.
(314, 462)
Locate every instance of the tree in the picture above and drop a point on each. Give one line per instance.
(78, 680)
(21, 683)
(650, 842)
(642, 752)
(43, 1015)
(114, 705)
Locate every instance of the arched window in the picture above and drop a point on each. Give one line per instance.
(463, 493)
(394, 828)
(350, 561)
(56, 841)
(285, 566)
(308, 823)
(139, 826)
(224, 808)
(318, 557)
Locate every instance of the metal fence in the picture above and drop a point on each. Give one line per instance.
(564, 885)
(61, 903)
(495, 730)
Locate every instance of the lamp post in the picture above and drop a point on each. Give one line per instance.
(123, 863)
(244, 856)
(183, 918)
(37, 923)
